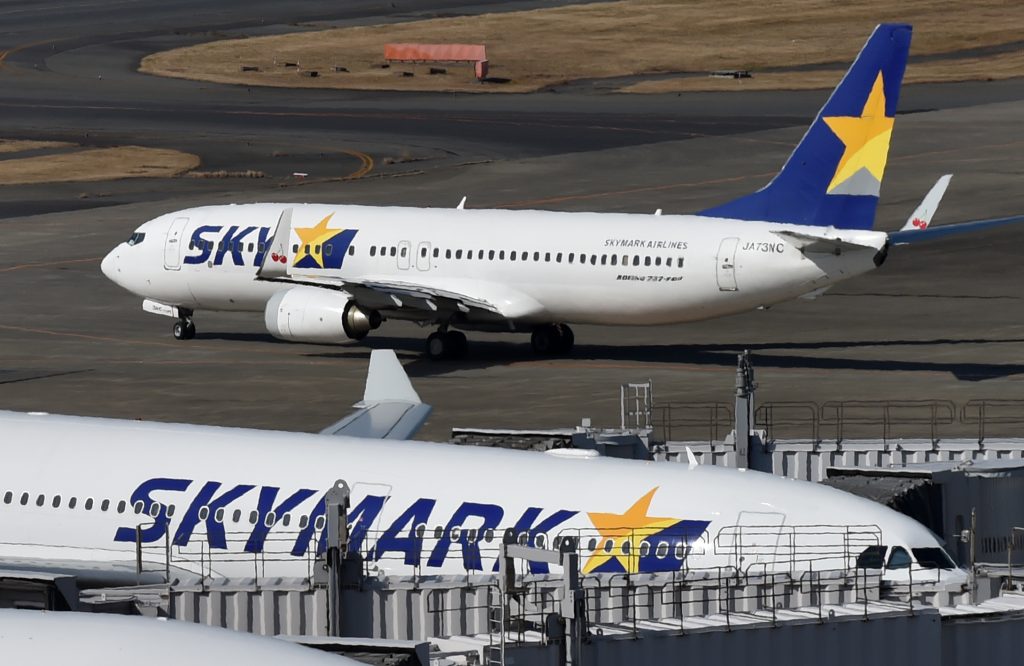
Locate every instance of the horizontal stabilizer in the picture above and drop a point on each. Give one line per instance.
(390, 408)
(921, 218)
(935, 233)
(819, 244)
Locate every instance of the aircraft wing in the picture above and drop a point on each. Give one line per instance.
(390, 408)
(933, 233)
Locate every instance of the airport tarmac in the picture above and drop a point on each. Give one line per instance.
(942, 320)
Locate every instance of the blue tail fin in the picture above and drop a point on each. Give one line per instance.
(834, 175)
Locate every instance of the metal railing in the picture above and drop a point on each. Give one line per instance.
(839, 420)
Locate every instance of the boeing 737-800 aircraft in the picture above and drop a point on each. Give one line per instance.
(324, 273)
(231, 499)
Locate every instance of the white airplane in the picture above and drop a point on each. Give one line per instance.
(326, 273)
(42, 637)
(77, 495)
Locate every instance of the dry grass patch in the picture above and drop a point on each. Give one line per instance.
(21, 145)
(542, 47)
(97, 164)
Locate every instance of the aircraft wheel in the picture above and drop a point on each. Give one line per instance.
(184, 329)
(566, 339)
(436, 347)
(545, 340)
(455, 344)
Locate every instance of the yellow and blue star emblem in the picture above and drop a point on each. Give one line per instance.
(321, 246)
(866, 145)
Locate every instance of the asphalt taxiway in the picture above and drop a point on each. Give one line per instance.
(942, 320)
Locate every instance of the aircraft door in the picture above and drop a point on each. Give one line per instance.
(404, 250)
(727, 264)
(172, 246)
(423, 256)
(753, 542)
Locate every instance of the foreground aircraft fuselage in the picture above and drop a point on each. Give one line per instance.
(226, 500)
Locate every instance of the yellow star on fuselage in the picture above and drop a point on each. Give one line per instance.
(631, 527)
(311, 240)
(866, 137)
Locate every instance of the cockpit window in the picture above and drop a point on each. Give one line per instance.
(900, 559)
(933, 558)
(872, 558)
(136, 238)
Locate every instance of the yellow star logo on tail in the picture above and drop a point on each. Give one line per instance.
(866, 140)
(626, 532)
(311, 240)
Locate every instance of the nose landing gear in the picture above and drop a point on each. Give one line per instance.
(184, 328)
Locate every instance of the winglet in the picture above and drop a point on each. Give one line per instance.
(691, 458)
(922, 215)
(462, 204)
(390, 408)
(275, 260)
(386, 380)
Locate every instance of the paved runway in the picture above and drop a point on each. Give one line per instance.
(940, 321)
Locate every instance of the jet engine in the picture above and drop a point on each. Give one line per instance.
(309, 314)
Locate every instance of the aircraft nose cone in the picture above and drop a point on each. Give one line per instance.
(109, 266)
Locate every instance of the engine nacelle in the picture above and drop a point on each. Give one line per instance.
(309, 314)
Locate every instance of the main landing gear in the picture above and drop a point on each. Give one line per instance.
(446, 344)
(552, 339)
(184, 328)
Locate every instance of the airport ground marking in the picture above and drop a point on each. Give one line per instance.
(44, 264)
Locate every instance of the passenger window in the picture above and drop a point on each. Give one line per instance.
(320, 523)
(404, 250)
(447, 254)
(615, 259)
(657, 261)
(458, 254)
(593, 260)
(204, 512)
(547, 256)
(220, 246)
(899, 559)
(41, 500)
(24, 499)
(250, 247)
(295, 248)
(423, 252)
(679, 262)
(469, 255)
(662, 550)
(438, 532)
(536, 256)
(8, 497)
(558, 258)
(501, 255)
(236, 516)
(269, 519)
(218, 515)
(328, 249)
(287, 520)
(253, 517)
(303, 522)
(170, 511)
(73, 502)
(490, 255)
(88, 504)
(489, 535)
(351, 250)
(436, 253)
(56, 501)
(645, 548)
(154, 509)
(480, 254)
(191, 245)
(373, 250)
(513, 255)
(393, 249)
(104, 505)
(571, 256)
(138, 507)
(647, 261)
(636, 260)
(592, 544)
(604, 259)
(121, 506)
